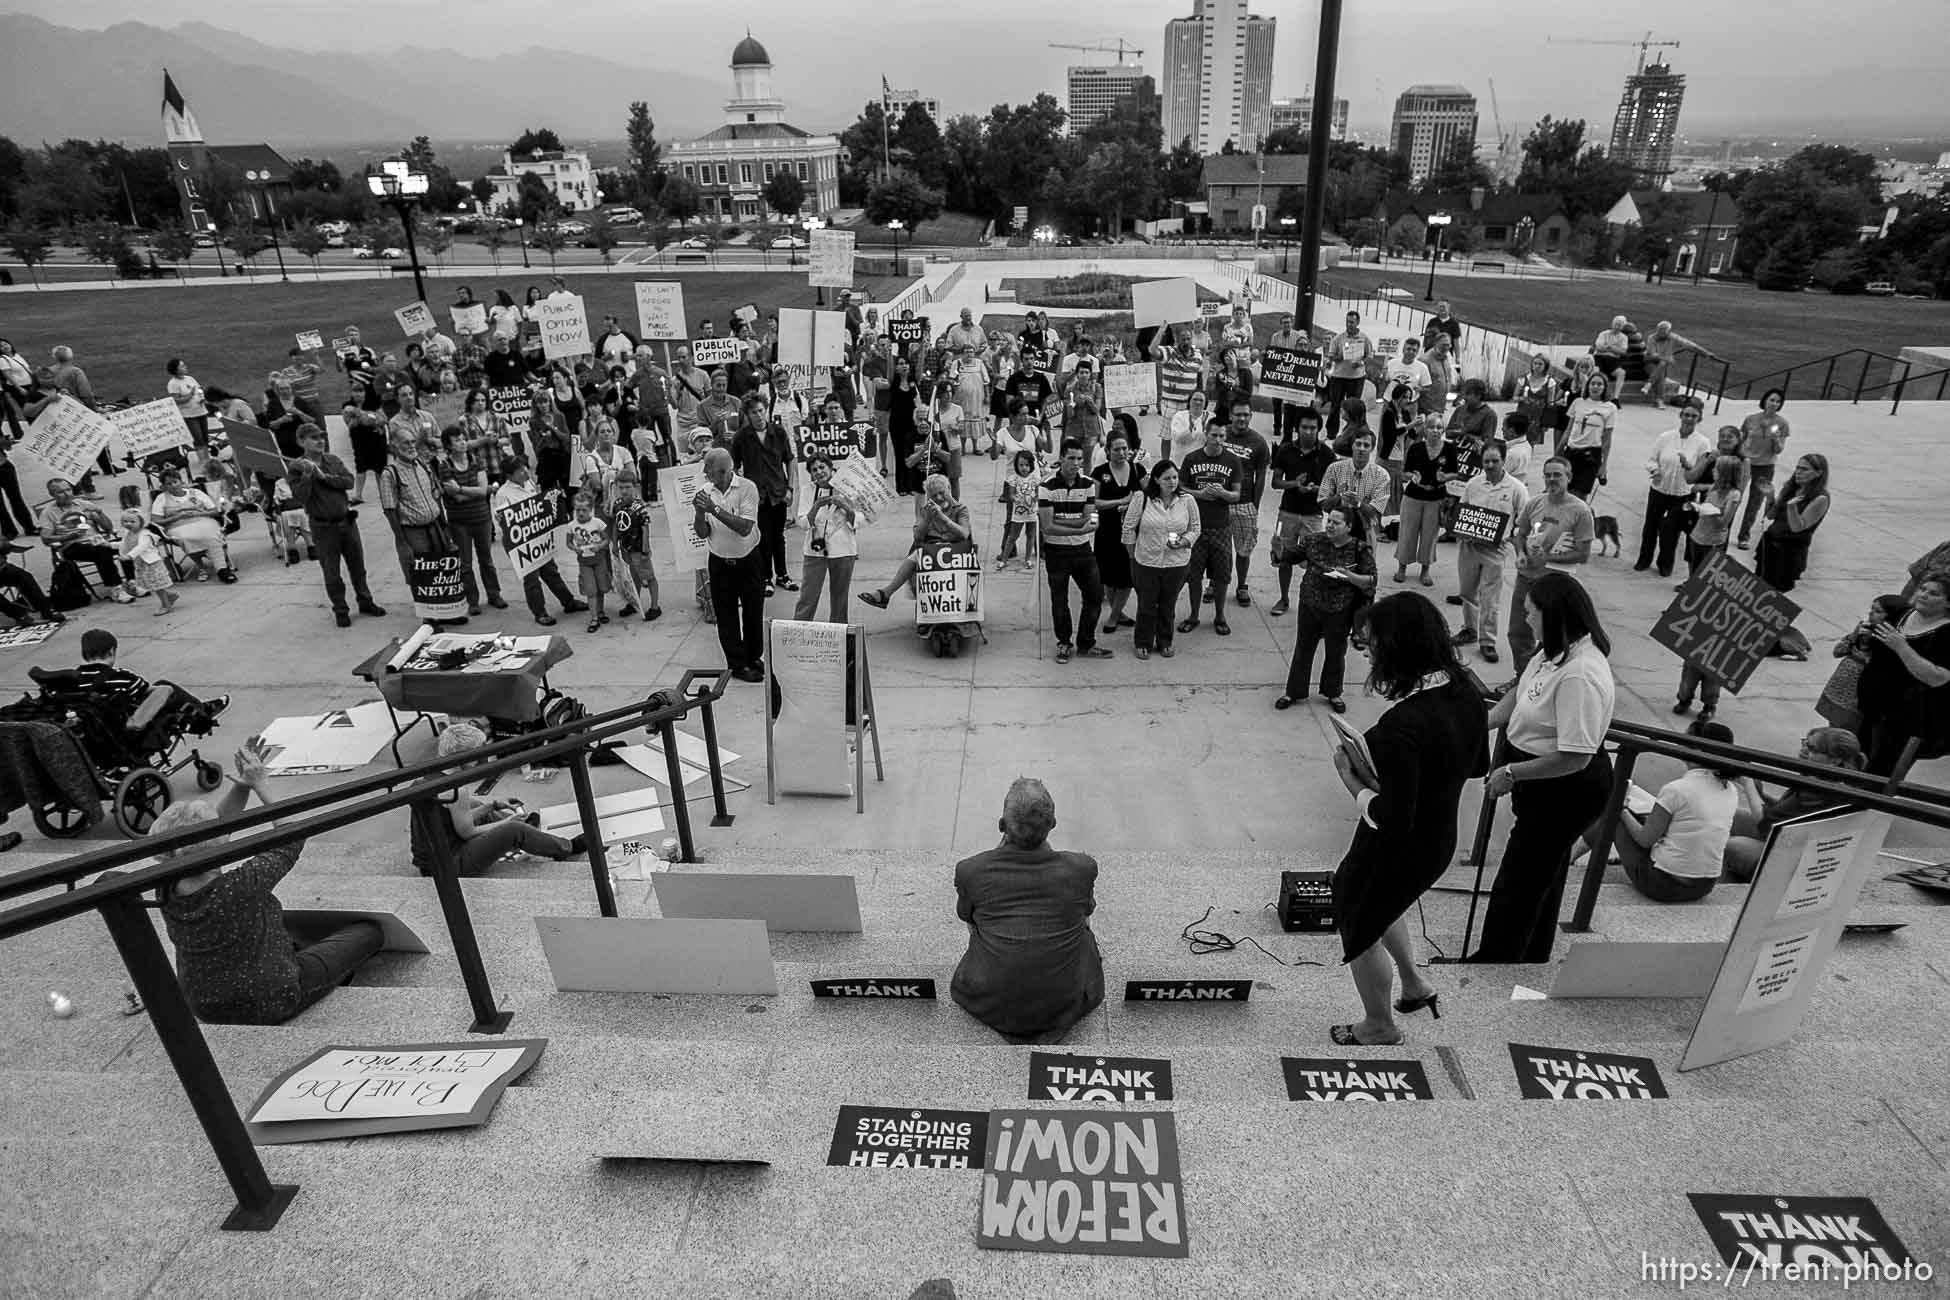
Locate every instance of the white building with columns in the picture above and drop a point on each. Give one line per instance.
(733, 164)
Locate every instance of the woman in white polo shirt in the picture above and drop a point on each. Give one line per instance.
(1552, 764)
(1675, 854)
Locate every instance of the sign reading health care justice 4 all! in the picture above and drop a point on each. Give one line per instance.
(1054, 1076)
(1724, 621)
(1082, 1182)
(1562, 1074)
(880, 1137)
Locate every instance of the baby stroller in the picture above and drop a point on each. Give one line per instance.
(131, 753)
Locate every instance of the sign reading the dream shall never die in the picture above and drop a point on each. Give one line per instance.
(1055, 1076)
(341, 1092)
(1368, 1079)
(1563, 1074)
(880, 1137)
(1082, 1182)
(439, 591)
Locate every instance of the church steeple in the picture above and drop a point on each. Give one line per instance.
(179, 124)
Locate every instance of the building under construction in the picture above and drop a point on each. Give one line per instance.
(1647, 122)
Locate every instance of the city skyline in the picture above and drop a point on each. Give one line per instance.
(1845, 78)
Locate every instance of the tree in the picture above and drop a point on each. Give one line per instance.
(219, 191)
(1230, 147)
(1285, 140)
(1786, 267)
(483, 191)
(444, 193)
(964, 148)
(493, 238)
(61, 187)
(1022, 149)
(681, 199)
(1182, 170)
(174, 245)
(535, 202)
(1458, 170)
(1409, 236)
(1119, 179)
(30, 245)
(322, 175)
(902, 198)
(308, 240)
(866, 149)
(1841, 270)
(1358, 179)
(436, 238)
(646, 164)
(784, 194)
(1663, 220)
(918, 141)
(1593, 240)
(535, 140)
(550, 239)
(13, 174)
(1822, 192)
(602, 235)
(103, 241)
(1367, 232)
(246, 241)
(1292, 203)
(1550, 156)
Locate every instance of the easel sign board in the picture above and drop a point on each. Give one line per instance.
(607, 954)
(1638, 970)
(1034, 1179)
(399, 936)
(806, 732)
(1724, 621)
(255, 449)
(1809, 876)
(1160, 302)
(826, 904)
(345, 1092)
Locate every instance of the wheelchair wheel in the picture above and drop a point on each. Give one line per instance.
(140, 798)
(208, 776)
(59, 821)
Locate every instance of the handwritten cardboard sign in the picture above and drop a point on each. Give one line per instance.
(415, 319)
(1289, 374)
(1564, 1074)
(342, 1092)
(438, 589)
(1059, 1076)
(1368, 1079)
(660, 311)
(1481, 524)
(830, 259)
(151, 427)
(528, 530)
(1130, 386)
(1824, 1235)
(66, 437)
(677, 486)
(716, 351)
(858, 483)
(1083, 1183)
(565, 326)
(311, 340)
(948, 584)
(881, 1137)
(471, 319)
(1724, 621)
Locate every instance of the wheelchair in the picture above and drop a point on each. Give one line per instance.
(132, 753)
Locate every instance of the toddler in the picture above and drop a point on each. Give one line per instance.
(142, 556)
(1020, 487)
(588, 540)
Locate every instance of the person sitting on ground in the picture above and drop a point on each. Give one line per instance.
(241, 960)
(1032, 970)
(1675, 854)
(1828, 746)
(480, 832)
(124, 691)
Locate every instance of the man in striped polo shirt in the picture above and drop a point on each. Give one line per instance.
(1066, 515)
(1180, 375)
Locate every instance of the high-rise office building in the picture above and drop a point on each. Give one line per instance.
(1299, 114)
(1094, 92)
(1429, 120)
(1218, 82)
(1647, 121)
(896, 102)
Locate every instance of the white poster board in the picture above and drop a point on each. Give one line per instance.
(858, 483)
(565, 326)
(342, 1092)
(808, 732)
(66, 437)
(151, 427)
(811, 338)
(676, 485)
(831, 259)
(311, 340)
(415, 319)
(1161, 302)
(471, 319)
(660, 311)
(716, 351)
(1127, 387)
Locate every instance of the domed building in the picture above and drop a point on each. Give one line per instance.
(733, 164)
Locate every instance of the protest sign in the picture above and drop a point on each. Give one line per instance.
(515, 404)
(808, 662)
(913, 990)
(830, 260)
(1809, 874)
(1083, 1183)
(1372, 1078)
(527, 528)
(786, 903)
(342, 1092)
(471, 319)
(948, 587)
(439, 592)
(311, 340)
(254, 449)
(836, 442)
(1830, 1237)
(881, 1137)
(1160, 302)
(906, 333)
(1058, 1076)
(660, 311)
(342, 345)
(1481, 524)
(1561, 1074)
(151, 427)
(676, 485)
(747, 313)
(811, 338)
(1724, 621)
(716, 351)
(415, 319)
(565, 326)
(1289, 374)
(66, 437)
(858, 483)
(1234, 991)
(1130, 386)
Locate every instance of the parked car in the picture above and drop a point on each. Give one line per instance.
(696, 241)
(335, 227)
(789, 241)
(203, 241)
(572, 229)
(392, 254)
(366, 253)
(625, 217)
(1880, 288)
(335, 240)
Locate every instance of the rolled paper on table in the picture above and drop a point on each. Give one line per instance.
(411, 648)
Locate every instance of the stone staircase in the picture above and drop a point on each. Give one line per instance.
(112, 1191)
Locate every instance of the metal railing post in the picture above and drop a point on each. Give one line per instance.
(680, 802)
(1829, 375)
(260, 1202)
(723, 815)
(1897, 402)
(592, 832)
(488, 1018)
(1594, 871)
(1862, 380)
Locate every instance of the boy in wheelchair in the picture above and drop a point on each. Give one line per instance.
(124, 693)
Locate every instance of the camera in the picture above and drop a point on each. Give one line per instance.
(817, 546)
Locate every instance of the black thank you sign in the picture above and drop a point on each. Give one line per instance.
(922, 990)
(1835, 1239)
(1564, 1074)
(905, 333)
(1083, 1182)
(1724, 621)
(1481, 524)
(1233, 991)
(887, 1137)
(1055, 1076)
(1338, 1079)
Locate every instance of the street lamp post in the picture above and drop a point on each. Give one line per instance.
(399, 185)
(261, 182)
(1439, 220)
(1286, 243)
(521, 237)
(897, 225)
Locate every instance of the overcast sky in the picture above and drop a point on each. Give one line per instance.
(1792, 65)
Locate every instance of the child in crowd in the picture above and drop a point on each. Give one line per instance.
(588, 540)
(701, 442)
(629, 528)
(1020, 487)
(100, 676)
(1838, 702)
(1716, 511)
(142, 556)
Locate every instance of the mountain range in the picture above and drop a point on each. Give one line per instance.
(61, 82)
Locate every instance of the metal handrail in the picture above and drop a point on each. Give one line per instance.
(1901, 384)
(1786, 374)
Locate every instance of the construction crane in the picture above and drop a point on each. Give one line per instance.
(1643, 45)
(1119, 49)
(1505, 140)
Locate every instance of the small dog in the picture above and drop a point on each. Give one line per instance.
(1605, 529)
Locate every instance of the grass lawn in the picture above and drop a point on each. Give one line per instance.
(232, 336)
(1757, 332)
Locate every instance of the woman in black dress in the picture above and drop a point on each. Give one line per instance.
(1904, 690)
(1120, 481)
(1424, 748)
(901, 429)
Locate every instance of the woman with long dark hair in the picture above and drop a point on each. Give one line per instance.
(1552, 764)
(1798, 511)
(1158, 531)
(1408, 787)
(1120, 485)
(1675, 854)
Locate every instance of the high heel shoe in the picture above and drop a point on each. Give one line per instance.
(1408, 1006)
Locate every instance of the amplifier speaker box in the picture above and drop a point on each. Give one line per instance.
(1306, 900)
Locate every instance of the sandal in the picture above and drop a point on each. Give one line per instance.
(1187, 625)
(874, 598)
(1284, 703)
(595, 624)
(1344, 1035)
(1143, 652)
(1223, 629)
